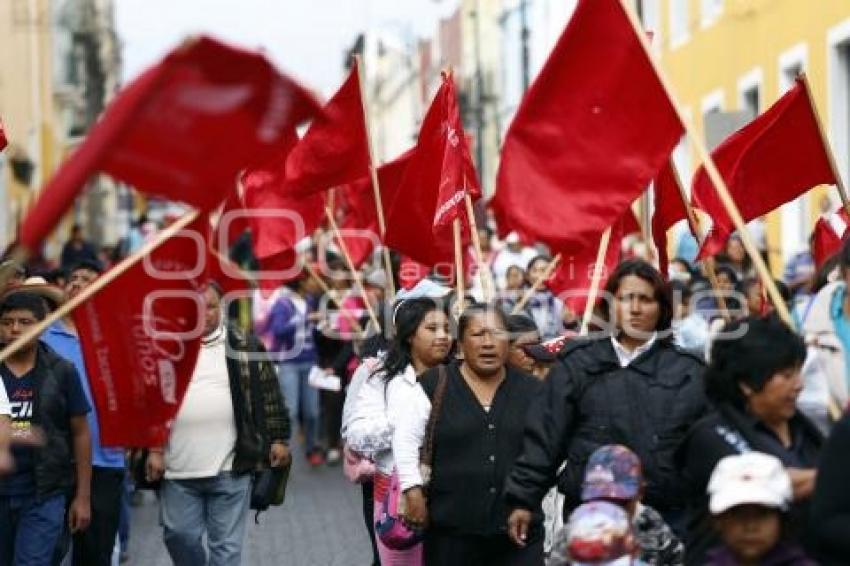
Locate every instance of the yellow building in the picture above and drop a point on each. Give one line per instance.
(741, 55)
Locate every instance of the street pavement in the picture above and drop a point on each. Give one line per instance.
(319, 524)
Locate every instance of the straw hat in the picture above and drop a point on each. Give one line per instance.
(54, 295)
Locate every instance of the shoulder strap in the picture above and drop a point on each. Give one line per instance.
(427, 455)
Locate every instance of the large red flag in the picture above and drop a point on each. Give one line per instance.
(141, 336)
(669, 209)
(335, 150)
(589, 135)
(359, 228)
(182, 130)
(411, 216)
(449, 147)
(770, 161)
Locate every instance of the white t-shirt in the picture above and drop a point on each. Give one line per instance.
(5, 407)
(203, 436)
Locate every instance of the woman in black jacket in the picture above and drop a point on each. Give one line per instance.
(753, 382)
(629, 386)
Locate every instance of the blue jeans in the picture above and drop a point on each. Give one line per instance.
(214, 506)
(301, 399)
(29, 529)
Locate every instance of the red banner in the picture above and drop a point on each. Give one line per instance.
(141, 336)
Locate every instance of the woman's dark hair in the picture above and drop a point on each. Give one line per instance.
(750, 351)
(479, 309)
(822, 275)
(24, 301)
(535, 259)
(728, 270)
(644, 270)
(520, 324)
(409, 314)
(844, 255)
(682, 290)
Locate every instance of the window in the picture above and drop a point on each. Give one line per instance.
(838, 81)
(795, 214)
(749, 93)
(710, 11)
(678, 22)
(649, 12)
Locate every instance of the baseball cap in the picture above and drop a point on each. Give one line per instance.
(599, 533)
(753, 478)
(612, 472)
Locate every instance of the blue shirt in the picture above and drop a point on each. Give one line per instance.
(841, 324)
(67, 345)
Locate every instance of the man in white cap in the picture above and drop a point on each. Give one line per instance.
(749, 495)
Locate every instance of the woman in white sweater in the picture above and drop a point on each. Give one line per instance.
(422, 341)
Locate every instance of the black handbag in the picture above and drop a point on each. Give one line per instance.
(268, 485)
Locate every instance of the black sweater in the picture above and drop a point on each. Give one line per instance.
(474, 451)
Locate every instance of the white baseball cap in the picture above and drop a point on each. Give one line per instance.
(753, 478)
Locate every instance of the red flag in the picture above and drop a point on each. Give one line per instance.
(770, 161)
(182, 130)
(411, 216)
(334, 151)
(572, 279)
(278, 220)
(139, 348)
(589, 135)
(829, 233)
(458, 177)
(669, 209)
(359, 228)
(3, 140)
(411, 272)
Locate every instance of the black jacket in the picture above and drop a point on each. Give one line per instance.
(830, 508)
(258, 404)
(724, 432)
(54, 461)
(589, 401)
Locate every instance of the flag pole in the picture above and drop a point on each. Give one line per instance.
(321, 282)
(459, 302)
(594, 282)
(547, 273)
(98, 284)
(373, 172)
(839, 182)
(713, 174)
(483, 270)
(355, 274)
(696, 229)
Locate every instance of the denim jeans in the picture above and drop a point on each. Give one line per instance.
(29, 529)
(215, 506)
(301, 399)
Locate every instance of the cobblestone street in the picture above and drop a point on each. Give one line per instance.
(320, 524)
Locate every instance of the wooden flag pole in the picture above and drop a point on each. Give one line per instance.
(312, 273)
(483, 269)
(98, 284)
(460, 301)
(355, 274)
(547, 273)
(373, 171)
(696, 228)
(713, 174)
(839, 182)
(594, 282)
